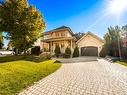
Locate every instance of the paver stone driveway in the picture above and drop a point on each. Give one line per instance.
(83, 78)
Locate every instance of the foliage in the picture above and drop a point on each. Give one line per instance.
(37, 59)
(67, 52)
(45, 56)
(1, 40)
(22, 22)
(76, 52)
(17, 75)
(112, 38)
(78, 35)
(35, 50)
(124, 46)
(103, 52)
(57, 51)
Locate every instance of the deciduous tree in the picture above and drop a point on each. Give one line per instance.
(23, 23)
(1, 40)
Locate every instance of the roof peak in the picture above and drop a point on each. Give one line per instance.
(61, 27)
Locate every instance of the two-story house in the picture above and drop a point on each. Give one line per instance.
(62, 36)
(89, 44)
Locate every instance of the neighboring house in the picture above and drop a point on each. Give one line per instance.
(62, 36)
(89, 44)
(38, 42)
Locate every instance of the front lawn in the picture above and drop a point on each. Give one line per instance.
(17, 75)
(122, 62)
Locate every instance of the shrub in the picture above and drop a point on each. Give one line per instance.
(103, 52)
(44, 56)
(67, 52)
(57, 51)
(76, 52)
(36, 50)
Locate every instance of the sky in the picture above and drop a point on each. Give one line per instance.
(79, 15)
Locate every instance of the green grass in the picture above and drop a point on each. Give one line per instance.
(122, 62)
(17, 75)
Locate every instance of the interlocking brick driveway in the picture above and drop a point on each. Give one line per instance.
(83, 78)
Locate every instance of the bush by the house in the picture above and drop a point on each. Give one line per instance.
(57, 51)
(31, 58)
(67, 52)
(44, 56)
(76, 52)
(36, 50)
(103, 52)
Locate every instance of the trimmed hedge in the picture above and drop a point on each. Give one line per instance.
(57, 51)
(67, 53)
(76, 52)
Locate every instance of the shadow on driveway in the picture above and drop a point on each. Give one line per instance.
(78, 59)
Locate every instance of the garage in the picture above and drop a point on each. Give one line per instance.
(90, 44)
(89, 51)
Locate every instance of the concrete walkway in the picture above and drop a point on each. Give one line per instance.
(83, 78)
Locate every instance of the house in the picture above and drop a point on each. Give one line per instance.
(89, 44)
(62, 36)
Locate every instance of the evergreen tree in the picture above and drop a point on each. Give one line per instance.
(57, 51)
(76, 52)
(67, 52)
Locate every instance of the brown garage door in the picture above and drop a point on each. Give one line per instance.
(89, 51)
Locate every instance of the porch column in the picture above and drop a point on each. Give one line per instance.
(49, 48)
(52, 47)
(64, 46)
(79, 50)
(71, 49)
(98, 51)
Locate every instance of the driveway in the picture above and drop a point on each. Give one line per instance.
(83, 78)
(77, 59)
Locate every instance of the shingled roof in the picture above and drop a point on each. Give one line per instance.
(60, 28)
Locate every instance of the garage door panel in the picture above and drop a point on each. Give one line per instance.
(89, 51)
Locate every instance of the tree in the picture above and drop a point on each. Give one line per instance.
(76, 52)
(112, 41)
(22, 22)
(103, 52)
(67, 52)
(1, 40)
(124, 41)
(57, 51)
(78, 35)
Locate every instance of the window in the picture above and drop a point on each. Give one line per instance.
(62, 34)
(57, 34)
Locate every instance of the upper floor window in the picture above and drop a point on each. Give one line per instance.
(57, 34)
(62, 34)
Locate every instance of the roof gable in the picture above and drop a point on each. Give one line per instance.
(90, 33)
